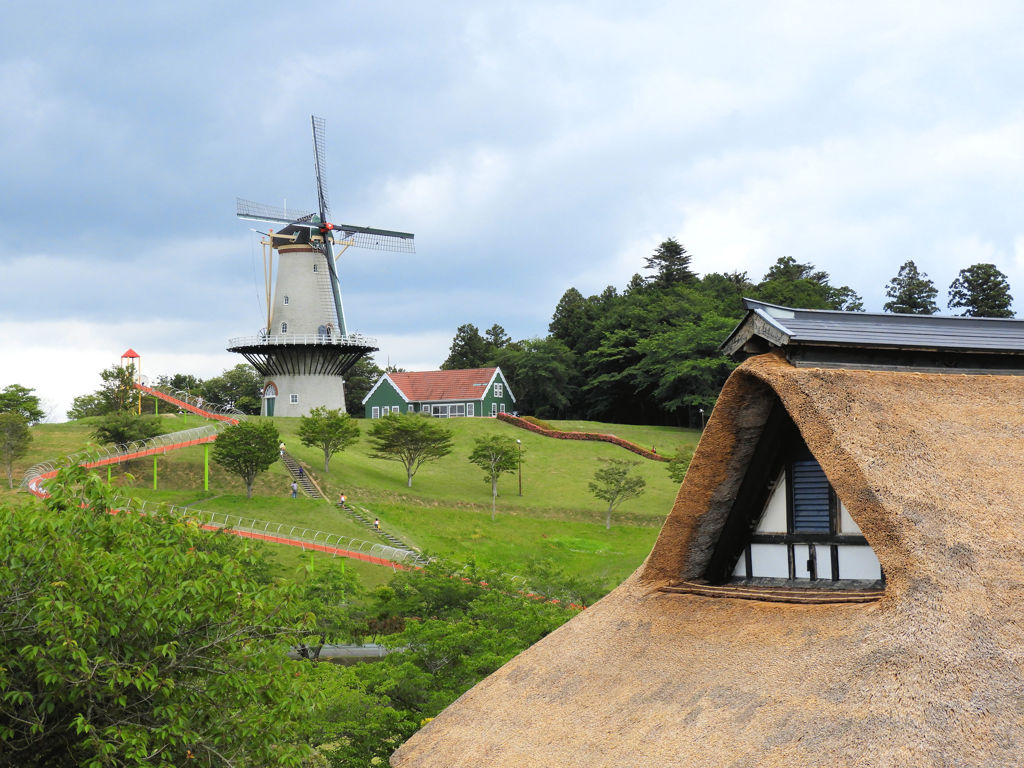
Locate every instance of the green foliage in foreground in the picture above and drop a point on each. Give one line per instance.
(452, 629)
(144, 640)
(138, 640)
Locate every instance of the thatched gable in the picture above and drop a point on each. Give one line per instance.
(931, 468)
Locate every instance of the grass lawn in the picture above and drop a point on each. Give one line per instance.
(447, 510)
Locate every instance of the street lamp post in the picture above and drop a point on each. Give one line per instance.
(701, 419)
(519, 445)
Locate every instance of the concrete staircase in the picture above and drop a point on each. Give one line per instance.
(306, 483)
(365, 518)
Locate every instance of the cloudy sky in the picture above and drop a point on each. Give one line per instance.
(530, 146)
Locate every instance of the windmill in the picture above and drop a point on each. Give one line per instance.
(306, 347)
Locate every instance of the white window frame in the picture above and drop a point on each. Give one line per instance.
(293, 399)
(494, 409)
(286, 301)
(499, 390)
(284, 327)
(501, 407)
(469, 409)
(316, 267)
(412, 408)
(375, 412)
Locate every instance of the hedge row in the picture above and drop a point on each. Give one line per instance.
(524, 424)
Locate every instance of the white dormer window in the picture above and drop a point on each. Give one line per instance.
(286, 301)
(788, 527)
(284, 327)
(499, 390)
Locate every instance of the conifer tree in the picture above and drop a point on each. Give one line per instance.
(911, 292)
(981, 290)
(671, 262)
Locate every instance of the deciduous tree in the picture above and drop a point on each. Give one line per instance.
(358, 382)
(793, 284)
(15, 398)
(240, 386)
(981, 290)
(679, 463)
(246, 449)
(615, 483)
(911, 292)
(125, 427)
(495, 455)
(410, 439)
(15, 438)
(330, 430)
(135, 639)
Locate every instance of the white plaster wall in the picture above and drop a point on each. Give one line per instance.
(310, 303)
(774, 518)
(313, 391)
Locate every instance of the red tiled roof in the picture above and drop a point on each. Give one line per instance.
(468, 384)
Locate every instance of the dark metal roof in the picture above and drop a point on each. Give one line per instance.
(877, 340)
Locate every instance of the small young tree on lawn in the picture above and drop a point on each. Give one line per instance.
(410, 439)
(330, 430)
(615, 483)
(246, 449)
(679, 463)
(14, 441)
(494, 455)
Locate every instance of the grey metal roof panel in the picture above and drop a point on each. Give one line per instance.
(816, 326)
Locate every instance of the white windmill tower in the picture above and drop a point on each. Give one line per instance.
(305, 349)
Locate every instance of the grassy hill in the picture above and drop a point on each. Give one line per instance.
(556, 523)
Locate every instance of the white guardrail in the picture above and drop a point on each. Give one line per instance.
(297, 535)
(352, 339)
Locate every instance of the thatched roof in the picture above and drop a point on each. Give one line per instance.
(931, 466)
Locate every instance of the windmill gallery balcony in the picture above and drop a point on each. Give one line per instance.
(303, 354)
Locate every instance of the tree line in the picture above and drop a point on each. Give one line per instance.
(650, 352)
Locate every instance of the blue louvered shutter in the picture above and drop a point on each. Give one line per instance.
(810, 497)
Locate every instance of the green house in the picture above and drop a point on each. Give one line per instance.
(443, 394)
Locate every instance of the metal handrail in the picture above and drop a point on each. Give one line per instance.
(100, 454)
(352, 339)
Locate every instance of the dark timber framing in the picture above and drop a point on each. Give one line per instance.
(778, 446)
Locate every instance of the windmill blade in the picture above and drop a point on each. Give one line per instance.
(319, 158)
(251, 211)
(375, 239)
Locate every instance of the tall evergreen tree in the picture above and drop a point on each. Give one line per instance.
(468, 350)
(671, 264)
(911, 292)
(981, 290)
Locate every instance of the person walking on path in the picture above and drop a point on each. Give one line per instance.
(295, 490)
(301, 472)
(376, 524)
(281, 449)
(341, 499)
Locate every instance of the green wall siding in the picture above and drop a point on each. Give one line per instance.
(387, 396)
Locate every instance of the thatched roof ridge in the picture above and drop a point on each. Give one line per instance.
(931, 466)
